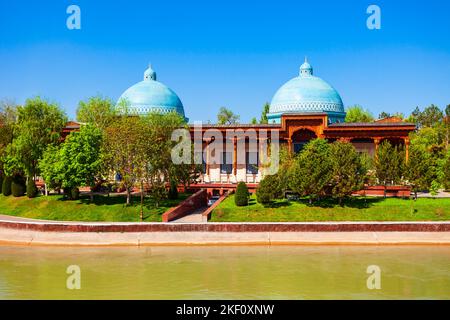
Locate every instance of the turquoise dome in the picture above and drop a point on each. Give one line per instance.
(307, 94)
(151, 95)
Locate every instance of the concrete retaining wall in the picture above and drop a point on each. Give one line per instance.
(194, 202)
(101, 227)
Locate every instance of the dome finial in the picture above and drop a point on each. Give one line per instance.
(306, 69)
(149, 74)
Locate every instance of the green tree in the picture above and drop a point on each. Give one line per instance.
(8, 116)
(39, 124)
(430, 116)
(446, 171)
(226, 116)
(384, 115)
(124, 151)
(348, 170)
(312, 170)
(80, 159)
(446, 128)
(434, 189)
(265, 111)
(286, 164)
(269, 189)
(358, 114)
(414, 117)
(389, 164)
(419, 173)
(97, 111)
(160, 169)
(50, 168)
(254, 121)
(241, 196)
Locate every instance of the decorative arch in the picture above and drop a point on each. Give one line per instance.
(300, 137)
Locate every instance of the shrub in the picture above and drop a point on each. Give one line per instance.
(31, 188)
(268, 190)
(6, 186)
(18, 187)
(241, 196)
(173, 191)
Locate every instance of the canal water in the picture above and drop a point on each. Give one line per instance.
(278, 272)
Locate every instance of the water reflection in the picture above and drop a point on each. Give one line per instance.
(283, 272)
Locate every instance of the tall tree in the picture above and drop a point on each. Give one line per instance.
(414, 116)
(97, 111)
(348, 170)
(446, 125)
(226, 116)
(430, 116)
(446, 171)
(50, 168)
(8, 115)
(389, 164)
(80, 159)
(124, 151)
(160, 170)
(418, 170)
(265, 111)
(39, 124)
(384, 115)
(358, 114)
(312, 170)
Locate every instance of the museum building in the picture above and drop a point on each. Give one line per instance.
(304, 108)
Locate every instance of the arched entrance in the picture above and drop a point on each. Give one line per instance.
(300, 138)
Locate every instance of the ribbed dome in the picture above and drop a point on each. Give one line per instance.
(306, 94)
(151, 96)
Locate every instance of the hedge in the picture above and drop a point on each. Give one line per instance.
(31, 188)
(6, 186)
(18, 187)
(241, 196)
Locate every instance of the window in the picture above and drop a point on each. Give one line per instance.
(199, 155)
(226, 163)
(251, 160)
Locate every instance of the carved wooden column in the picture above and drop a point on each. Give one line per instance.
(407, 142)
(290, 147)
(377, 143)
(208, 158)
(235, 156)
(262, 143)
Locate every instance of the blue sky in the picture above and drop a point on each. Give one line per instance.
(227, 53)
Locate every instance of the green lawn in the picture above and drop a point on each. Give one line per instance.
(103, 208)
(356, 209)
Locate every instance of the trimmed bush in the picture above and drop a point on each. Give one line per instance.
(173, 191)
(268, 190)
(241, 196)
(31, 189)
(18, 187)
(75, 194)
(6, 186)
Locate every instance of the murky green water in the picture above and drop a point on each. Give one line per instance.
(301, 272)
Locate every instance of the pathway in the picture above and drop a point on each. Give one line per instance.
(195, 217)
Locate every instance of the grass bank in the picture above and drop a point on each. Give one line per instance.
(103, 208)
(355, 209)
